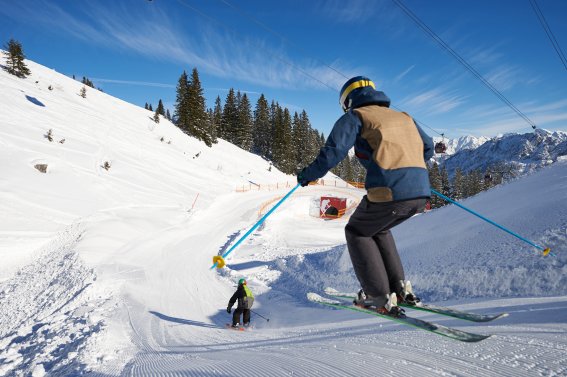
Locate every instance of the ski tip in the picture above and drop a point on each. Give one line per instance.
(478, 338)
(314, 297)
(501, 315)
(331, 291)
(318, 298)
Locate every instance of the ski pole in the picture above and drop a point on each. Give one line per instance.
(218, 260)
(258, 314)
(544, 250)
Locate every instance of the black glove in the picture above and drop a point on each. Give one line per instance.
(228, 309)
(301, 178)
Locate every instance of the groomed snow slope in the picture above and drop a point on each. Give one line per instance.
(107, 272)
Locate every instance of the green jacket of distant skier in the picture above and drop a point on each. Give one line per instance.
(244, 296)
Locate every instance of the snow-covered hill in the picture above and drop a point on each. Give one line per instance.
(151, 165)
(107, 272)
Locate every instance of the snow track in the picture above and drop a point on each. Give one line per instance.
(49, 311)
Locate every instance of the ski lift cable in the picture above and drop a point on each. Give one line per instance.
(462, 61)
(548, 31)
(273, 55)
(282, 37)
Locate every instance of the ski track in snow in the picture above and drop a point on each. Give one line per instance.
(49, 311)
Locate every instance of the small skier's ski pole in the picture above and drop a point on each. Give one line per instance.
(260, 315)
(544, 250)
(218, 260)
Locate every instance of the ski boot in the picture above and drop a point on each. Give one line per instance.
(406, 295)
(391, 307)
(387, 304)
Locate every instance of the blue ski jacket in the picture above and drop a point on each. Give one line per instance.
(388, 143)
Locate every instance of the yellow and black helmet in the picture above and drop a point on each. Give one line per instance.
(351, 85)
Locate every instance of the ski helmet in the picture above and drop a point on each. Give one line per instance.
(241, 281)
(351, 85)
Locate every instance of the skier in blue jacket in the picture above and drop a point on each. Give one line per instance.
(393, 149)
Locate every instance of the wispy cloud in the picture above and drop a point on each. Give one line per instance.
(138, 83)
(494, 119)
(348, 12)
(434, 101)
(505, 77)
(155, 34)
(403, 74)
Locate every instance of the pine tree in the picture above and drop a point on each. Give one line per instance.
(15, 57)
(160, 109)
(476, 178)
(445, 183)
(146, 106)
(301, 141)
(198, 118)
(87, 82)
(181, 104)
(217, 119)
(288, 148)
(278, 136)
(212, 125)
(244, 137)
(458, 185)
(229, 117)
(156, 116)
(168, 115)
(436, 184)
(359, 172)
(262, 129)
(83, 92)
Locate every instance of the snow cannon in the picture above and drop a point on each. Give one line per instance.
(218, 261)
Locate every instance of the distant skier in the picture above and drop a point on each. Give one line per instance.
(245, 301)
(393, 149)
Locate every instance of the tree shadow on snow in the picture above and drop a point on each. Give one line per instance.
(183, 321)
(35, 101)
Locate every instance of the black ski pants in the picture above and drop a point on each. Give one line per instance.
(245, 316)
(372, 248)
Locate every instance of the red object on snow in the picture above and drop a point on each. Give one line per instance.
(331, 207)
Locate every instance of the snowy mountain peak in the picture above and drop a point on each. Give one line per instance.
(461, 143)
(520, 152)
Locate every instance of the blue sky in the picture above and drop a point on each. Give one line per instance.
(299, 53)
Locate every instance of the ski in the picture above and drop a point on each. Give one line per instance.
(449, 312)
(448, 332)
